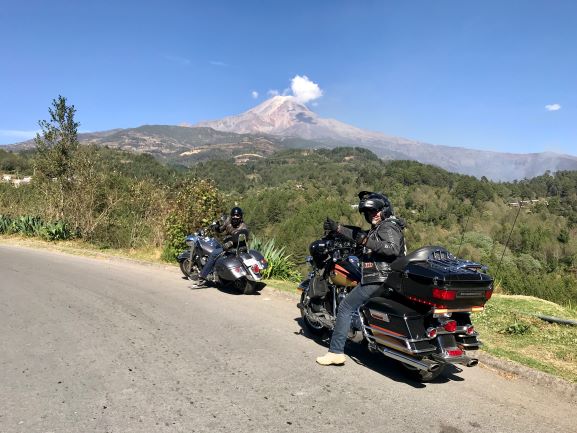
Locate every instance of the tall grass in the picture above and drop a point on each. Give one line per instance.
(280, 266)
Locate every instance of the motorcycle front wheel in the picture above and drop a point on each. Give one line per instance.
(189, 269)
(314, 327)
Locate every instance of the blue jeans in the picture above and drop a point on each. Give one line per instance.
(207, 269)
(357, 297)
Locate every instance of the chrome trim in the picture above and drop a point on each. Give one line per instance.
(398, 337)
(463, 360)
(421, 364)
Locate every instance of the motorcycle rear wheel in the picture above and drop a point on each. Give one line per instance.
(422, 375)
(315, 328)
(189, 269)
(245, 286)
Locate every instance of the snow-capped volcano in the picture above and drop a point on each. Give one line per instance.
(284, 116)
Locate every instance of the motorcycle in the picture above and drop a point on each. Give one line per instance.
(239, 266)
(423, 317)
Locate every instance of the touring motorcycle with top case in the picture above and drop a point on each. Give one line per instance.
(422, 318)
(239, 266)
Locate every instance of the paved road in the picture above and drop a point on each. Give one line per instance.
(93, 345)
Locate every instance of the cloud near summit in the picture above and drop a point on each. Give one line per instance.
(302, 88)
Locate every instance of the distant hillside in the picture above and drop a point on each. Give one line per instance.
(282, 123)
(284, 116)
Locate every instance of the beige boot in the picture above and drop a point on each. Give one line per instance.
(332, 359)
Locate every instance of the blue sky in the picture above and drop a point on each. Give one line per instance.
(476, 74)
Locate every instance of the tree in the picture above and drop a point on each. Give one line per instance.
(56, 148)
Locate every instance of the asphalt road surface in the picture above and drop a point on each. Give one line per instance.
(100, 345)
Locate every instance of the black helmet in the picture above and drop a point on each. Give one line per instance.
(236, 216)
(371, 202)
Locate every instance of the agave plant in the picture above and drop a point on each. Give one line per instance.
(279, 264)
(5, 223)
(56, 231)
(27, 225)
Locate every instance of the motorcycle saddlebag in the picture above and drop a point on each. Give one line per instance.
(397, 326)
(433, 276)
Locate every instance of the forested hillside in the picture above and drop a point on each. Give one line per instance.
(124, 200)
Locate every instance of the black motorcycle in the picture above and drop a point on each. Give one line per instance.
(421, 318)
(239, 266)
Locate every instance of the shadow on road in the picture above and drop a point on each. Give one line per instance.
(359, 353)
(228, 289)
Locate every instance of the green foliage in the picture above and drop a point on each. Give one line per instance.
(197, 204)
(280, 266)
(34, 226)
(56, 150)
(5, 224)
(56, 231)
(516, 328)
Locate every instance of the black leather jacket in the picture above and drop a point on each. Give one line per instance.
(232, 233)
(385, 242)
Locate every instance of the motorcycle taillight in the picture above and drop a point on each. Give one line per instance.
(445, 295)
(255, 268)
(450, 326)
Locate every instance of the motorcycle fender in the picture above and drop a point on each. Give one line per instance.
(183, 256)
(229, 268)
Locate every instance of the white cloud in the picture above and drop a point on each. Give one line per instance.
(254, 94)
(272, 92)
(217, 63)
(305, 90)
(552, 107)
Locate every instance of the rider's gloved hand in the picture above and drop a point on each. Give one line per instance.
(330, 225)
(228, 245)
(361, 238)
(215, 225)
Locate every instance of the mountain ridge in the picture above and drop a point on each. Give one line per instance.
(282, 122)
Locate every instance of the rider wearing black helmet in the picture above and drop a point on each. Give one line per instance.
(382, 244)
(232, 227)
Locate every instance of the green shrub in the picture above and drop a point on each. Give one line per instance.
(5, 223)
(280, 266)
(56, 231)
(27, 225)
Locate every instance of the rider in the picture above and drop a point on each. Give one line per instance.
(382, 244)
(232, 228)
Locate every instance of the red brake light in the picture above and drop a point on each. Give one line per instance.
(445, 295)
(488, 294)
(450, 326)
(470, 330)
(431, 332)
(255, 268)
(456, 352)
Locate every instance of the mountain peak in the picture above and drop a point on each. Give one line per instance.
(277, 115)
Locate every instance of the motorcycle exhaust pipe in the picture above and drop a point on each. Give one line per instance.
(472, 362)
(421, 364)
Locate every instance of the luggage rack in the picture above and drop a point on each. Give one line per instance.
(444, 259)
